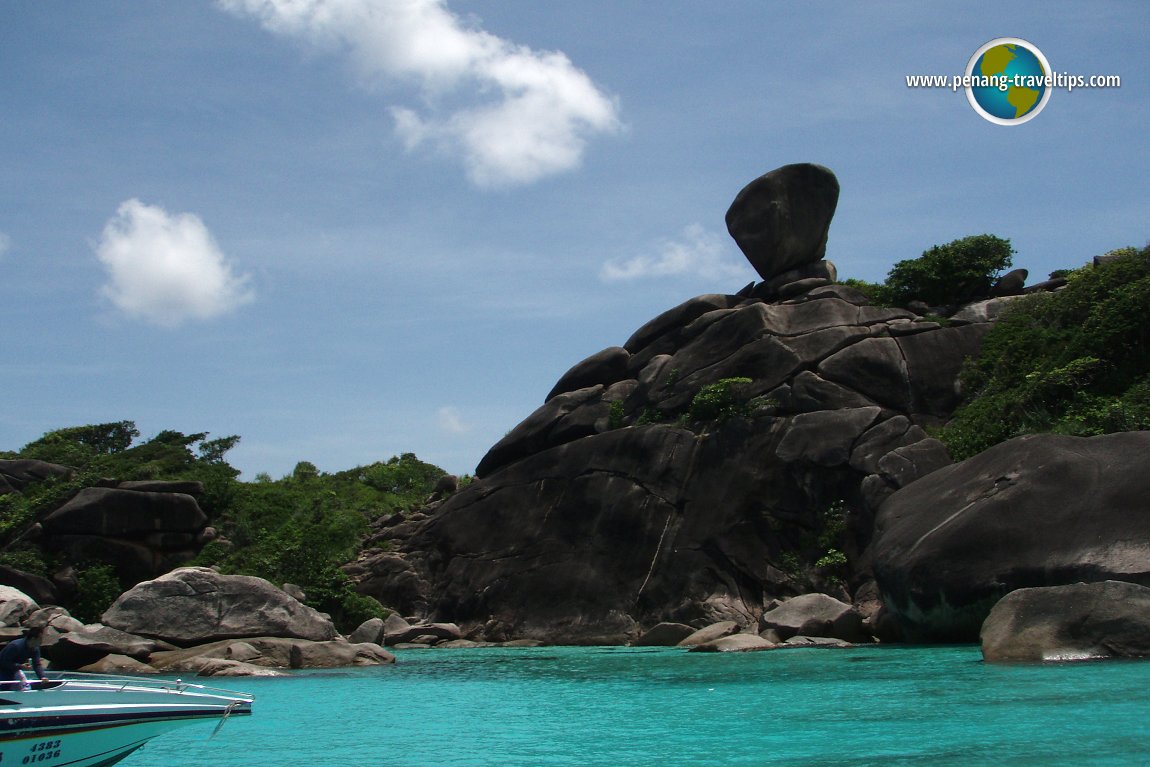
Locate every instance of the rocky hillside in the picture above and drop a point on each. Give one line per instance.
(732, 451)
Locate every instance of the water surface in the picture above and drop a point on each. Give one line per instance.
(637, 707)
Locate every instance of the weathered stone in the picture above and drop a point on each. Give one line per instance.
(1043, 510)
(232, 668)
(815, 615)
(606, 367)
(1010, 284)
(734, 643)
(15, 606)
(876, 368)
(37, 587)
(780, 220)
(196, 604)
(826, 437)
(118, 665)
(76, 649)
(710, 633)
(678, 318)
(17, 474)
(435, 632)
(1081, 621)
(370, 630)
(118, 513)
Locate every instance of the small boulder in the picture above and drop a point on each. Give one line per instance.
(710, 633)
(222, 667)
(735, 643)
(371, 630)
(815, 615)
(1080, 621)
(426, 633)
(15, 606)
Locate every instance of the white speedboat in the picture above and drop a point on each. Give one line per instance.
(82, 720)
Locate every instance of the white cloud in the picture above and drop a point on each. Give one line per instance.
(696, 252)
(5, 244)
(167, 268)
(513, 115)
(451, 421)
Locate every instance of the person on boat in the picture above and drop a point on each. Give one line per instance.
(16, 654)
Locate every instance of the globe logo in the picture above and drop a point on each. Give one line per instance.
(1009, 81)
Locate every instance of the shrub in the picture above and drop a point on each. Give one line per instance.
(721, 400)
(951, 273)
(1072, 362)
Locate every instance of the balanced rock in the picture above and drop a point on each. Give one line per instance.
(780, 220)
(17, 474)
(1040, 510)
(196, 604)
(1081, 621)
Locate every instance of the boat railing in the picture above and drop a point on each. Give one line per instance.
(77, 679)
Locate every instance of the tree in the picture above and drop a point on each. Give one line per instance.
(952, 273)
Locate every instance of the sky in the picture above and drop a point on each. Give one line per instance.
(349, 229)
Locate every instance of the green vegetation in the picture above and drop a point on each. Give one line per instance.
(721, 400)
(298, 529)
(944, 274)
(1072, 362)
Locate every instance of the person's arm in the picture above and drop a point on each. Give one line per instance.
(37, 665)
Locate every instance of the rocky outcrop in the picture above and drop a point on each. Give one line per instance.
(246, 648)
(197, 605)
(1081, 621)
(1042, 510)
(731, 452)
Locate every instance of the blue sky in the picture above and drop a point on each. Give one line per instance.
(347, 229)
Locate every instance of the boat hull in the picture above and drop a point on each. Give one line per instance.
(87, 724)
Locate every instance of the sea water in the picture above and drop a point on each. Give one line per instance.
(595, 707)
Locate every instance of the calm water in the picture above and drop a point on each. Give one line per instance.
(637, 707)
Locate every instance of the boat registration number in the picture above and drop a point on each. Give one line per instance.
(41, 752)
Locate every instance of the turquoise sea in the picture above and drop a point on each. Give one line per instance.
(661, 707)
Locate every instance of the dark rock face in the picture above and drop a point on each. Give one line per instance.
(1042, 510)
(143, 534)
(1081, 621)
(17, 474)
(780, 220)
(608, 510)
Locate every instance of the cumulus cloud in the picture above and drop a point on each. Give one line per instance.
(166, 268)
(451, 421)
(511, 114)
(696, 251)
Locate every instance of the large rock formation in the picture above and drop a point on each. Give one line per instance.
(733, 450)
(1080, 621)
(143, 530)
(1042, 510)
